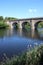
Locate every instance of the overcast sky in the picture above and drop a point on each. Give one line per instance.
(21, 8)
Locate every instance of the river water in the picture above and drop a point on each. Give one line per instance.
(17, 41)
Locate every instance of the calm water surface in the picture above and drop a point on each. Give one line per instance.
(16, 42)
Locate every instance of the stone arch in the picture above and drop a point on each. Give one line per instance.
(24, 24)
(15, 25)
(36, 24)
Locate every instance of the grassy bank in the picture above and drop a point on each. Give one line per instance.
(33, 57)
(3, 25)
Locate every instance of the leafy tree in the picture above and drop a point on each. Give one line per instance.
(1, 18)
(10, 18)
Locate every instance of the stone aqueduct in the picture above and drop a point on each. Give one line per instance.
(32, 21)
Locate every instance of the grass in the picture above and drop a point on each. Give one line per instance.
(32, 57)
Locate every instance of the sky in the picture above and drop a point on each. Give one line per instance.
(21, 8)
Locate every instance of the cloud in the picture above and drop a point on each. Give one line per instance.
(35, 10)
(32, 10)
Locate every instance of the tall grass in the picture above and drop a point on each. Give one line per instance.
(32, 57)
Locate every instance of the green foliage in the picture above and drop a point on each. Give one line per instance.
(33, 57)
(10, 18)
(40, 25)
(2, 21)
(27, 26)
(3, 25)
(1, 18)
(7, 18)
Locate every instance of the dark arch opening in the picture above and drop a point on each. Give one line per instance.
(15, 25)
(26, 26)
(39, 24)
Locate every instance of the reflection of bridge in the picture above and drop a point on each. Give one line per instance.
(32, 21)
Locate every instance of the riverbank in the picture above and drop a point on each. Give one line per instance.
(3, 25)
(32, 57)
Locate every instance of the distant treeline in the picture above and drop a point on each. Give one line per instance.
(7, 18)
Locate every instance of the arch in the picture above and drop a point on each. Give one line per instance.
(25, 25)
(15, 25)
(36, 24)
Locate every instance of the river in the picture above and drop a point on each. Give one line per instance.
(15, 42)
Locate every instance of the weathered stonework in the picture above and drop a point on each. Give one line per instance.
(31, 21)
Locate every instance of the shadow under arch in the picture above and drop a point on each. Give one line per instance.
(15, 25)
(36, 24)
(26, 25)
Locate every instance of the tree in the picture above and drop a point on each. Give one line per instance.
(1, 18)
(10, 18)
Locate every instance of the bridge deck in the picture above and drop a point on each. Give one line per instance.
(28, 19)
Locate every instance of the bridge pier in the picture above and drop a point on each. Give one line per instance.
(32, 26)
(10, 24)
(20, 24)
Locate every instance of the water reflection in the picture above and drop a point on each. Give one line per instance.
(22, 33)
(40, 31)
(16, 41)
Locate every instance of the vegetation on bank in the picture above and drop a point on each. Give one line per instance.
(3, 20)
(3, 25)
(40, 25)
(27, 26)
(32, 57)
